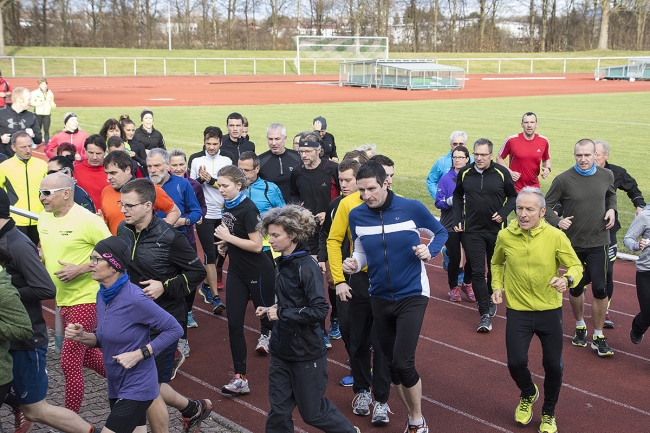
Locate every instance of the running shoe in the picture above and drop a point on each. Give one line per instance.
(328, 343)
(445, 259)
(580, 336)
(599, 344)
(217, 306)
(206, 293)
(191, 323)
(20, 422)
(347, 381)
(422, 428)
(492, 309)
(263, 344)
(636, 338)
(548, 424)
(524, 410)
(485, 324)
(380, 413)
(454, 294)
(178, 361)
(184, 347)
(609, 323)
(356, 429)
(467, 290)
(193, 424)
(361, 403)
(335, 331)
(219, 279)
(238, 385)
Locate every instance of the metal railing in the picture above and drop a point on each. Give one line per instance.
(52, 66)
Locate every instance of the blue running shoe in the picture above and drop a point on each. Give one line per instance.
(328, 343)
(347, 381)
(217, 306)
(335, 332)
(445, 259)
(191, 323)
(204, 290)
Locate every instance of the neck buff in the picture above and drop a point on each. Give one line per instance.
(108, 293)
(582, 172)
(235, 201)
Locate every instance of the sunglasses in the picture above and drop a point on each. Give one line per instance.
(49, 192)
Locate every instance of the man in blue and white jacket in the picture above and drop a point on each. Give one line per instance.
(384, 231)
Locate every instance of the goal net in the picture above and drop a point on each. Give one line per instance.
(340, 48)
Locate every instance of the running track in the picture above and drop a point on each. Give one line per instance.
(466, 385)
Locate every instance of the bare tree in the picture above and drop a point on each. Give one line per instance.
(481, 24)
(276, 7)
(542, 45)
(606, 10)
(531, 28)
(3, 3)
(641, 9)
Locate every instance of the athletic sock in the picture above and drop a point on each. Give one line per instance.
(580, 323)
(598, 332)
(191, 409)
(416, 422)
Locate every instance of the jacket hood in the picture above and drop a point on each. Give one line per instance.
(513, 227)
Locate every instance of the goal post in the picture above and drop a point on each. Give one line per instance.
(340, 48)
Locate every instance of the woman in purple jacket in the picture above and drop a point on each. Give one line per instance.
(444, 197)
(124, 316)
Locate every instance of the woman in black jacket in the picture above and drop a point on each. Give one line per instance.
(298, 368)
(147, 134)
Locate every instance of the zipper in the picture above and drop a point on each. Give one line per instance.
(29, 202)
(383, 239)
(281, 168)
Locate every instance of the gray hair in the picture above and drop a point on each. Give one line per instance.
(483, 142)
(604, 144)
(159, 151)
(276, 126)
(16, 135)
(458, 134)
(536, 191)
(368, 147)
(178, 152)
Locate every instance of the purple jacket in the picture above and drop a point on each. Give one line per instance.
(446, 187)
(123, 326)
(200, 196)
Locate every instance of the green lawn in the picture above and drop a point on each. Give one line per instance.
(182, 62)
(415, 134)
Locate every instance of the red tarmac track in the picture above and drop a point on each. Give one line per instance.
(466, 384)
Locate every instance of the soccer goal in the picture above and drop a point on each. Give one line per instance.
(340, 48)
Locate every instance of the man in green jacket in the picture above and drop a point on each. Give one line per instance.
(525, 266)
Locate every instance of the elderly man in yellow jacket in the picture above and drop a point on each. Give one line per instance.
(524, 267)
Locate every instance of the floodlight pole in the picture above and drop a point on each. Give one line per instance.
(169, 23)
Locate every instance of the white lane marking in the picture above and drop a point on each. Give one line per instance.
(521, 78)
(465, 414)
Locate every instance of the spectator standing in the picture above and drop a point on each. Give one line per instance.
(89, 173)
(42, 99)
(527, 150)
(234, 143)
(68, 235)
(70, 134)
(17, 118)
(5, 92)
(146, 134)
(328, 145)
(444, 163)
(20, 177)
(277, 163)
(525, 267)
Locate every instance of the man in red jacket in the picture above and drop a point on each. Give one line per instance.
(90, 173)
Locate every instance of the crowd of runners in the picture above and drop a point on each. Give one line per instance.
(128, 232)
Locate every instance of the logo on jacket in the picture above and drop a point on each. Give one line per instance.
(11, 124)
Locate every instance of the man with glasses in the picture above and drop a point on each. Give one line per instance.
(68, 235)
(484, 197)
(167, 269)
(444, 163)
(20, 176)
(65, 166)
(277, 163)
(527, 150)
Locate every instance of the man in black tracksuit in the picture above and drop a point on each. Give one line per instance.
(277, 163)
(18, 118)
(486, 191)
(624, 182)
(234, 143)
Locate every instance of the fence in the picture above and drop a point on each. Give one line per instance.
(50, 66)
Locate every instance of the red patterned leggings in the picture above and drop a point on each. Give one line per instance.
(75, 356)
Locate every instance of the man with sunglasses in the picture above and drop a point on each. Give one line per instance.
(64, 165)
(68, 235)
(484, 197)
(444, 163)
(20, 176)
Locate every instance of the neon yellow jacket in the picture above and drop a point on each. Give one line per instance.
(524, 261)
(339, 230)
(22, 179)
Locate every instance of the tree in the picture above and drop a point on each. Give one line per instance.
(641, 9)
(606, 11)
(3, 3)
(276, 7)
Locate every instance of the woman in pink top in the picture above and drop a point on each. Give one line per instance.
(70, 134)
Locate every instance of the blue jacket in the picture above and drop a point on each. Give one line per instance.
(265, 195)
(446, 187)
(439, 169)
(388, 235)
(180, 191)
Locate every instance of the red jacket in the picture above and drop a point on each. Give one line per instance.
(92, 179)
(76, 138)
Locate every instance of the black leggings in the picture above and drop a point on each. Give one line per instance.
(126, 415)
(641, 321)
(44, 121)
(239, 290)
(4, 390)
(398, 325)
(479, 248)
(520, 328)
(454, 252)
(205, 231)
(595, 263)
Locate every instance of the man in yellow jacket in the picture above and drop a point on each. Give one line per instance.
(525, 266)
(20, 177)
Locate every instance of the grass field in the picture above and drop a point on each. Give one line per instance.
(415, 134)
(183, 63)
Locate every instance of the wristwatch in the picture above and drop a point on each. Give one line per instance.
(569, 280)
(145, 352)
(187, 222)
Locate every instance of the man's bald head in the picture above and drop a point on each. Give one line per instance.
(57, 180)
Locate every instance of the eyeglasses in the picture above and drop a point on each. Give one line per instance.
(459, 157)
(304, 152)
(128, 207)
(481, 155)
(94, 259)
(54, 171)
(458, 144)
(49, 192)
